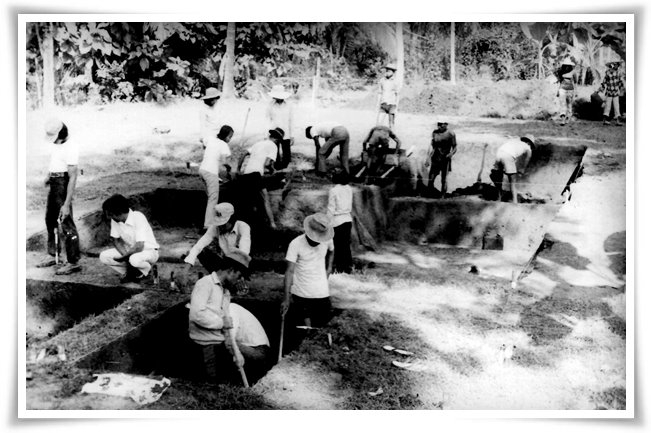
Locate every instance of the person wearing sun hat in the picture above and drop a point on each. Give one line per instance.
(612, 86)
(565, 94)
(210, 117)
(226, 234)
(213, 318)
(512, 159)
(306, 277)
(280, 114)
(61, 179)
(388, 94)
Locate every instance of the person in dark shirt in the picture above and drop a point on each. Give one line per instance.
(376, 146)
(444, 146)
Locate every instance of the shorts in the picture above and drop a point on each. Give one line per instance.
(317, 309)
(505, 163)
(388, 108)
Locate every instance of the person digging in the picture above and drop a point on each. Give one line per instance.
(335, 135)
(512, 159)
(135, 249)
(443, 147)
(61, 179)
(227, 334)
(375, 149)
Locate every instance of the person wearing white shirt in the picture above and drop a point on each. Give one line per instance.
(306, 277)
(280, 113)
(512, 159)
(340, 206)
(334, 135)
(62, 179)
(388, 94)
(225, 235)
(259, 158)
(135, 249)
(216, 151)
(210, 115)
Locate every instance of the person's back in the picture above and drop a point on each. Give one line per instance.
(258, 154)
(517, 150)
(215, 151)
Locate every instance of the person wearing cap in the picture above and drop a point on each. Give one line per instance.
(216, 151)
(335, 135)
(135, 249)
(62, 179)
(213, 318)
(388, 94)
(612, 87)
(376, 147)
(259, 159)
(565, 94)
(210, 117)
(340, 207)
(512, 159)
(443, 147)
(306, 277)
(226, 234)
(280, 114)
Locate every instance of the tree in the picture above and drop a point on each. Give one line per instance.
(46, 43)
(453, 78)
(542, 37)
(228, 87)
(400, 53)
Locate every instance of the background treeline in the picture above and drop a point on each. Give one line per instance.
(72, 63)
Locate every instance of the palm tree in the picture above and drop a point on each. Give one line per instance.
(228, 87)
(543, 37)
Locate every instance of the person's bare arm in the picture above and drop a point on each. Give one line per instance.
(367, 139)
(119, 245)
(514, 188)
(396, 139)
(241, 161)
(289, 280)
(330, 258)
(453, 149)
(136, 248)
(72, 182)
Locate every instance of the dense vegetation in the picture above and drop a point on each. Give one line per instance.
(70, 63)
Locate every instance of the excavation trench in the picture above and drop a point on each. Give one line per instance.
(160, 344)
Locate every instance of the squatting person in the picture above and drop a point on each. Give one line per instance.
(62, 179)
(512, 159)
(135, 249)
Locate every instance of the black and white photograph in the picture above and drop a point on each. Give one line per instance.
(311, 215)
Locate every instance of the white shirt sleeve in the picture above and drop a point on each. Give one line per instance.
(224, 149)
(332, 202)
(142, 226)
(271, 151)
(331, 245)
(292, 251)
(244, 233)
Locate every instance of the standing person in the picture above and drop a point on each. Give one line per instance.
(565, 93)
(388, 94)
(443, 147)
(225, 235)
(62, 179)
(260, 158)
(376, 146)
(335, 135)
(340, 206)
(612, 87)
(280, 113)
(512, 159)
(210, 116)
(309, 263)
(213, 317)
(215, 151)
(135, 249)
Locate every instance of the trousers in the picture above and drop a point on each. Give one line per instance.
(141, 261)
(343, 260)
(211, 181)
(55, 199)
(339, 138)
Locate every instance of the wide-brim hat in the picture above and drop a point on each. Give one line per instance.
(568, 62)
(278, 132)
(530, 138)
(391, 66)
(211, 93)
(239, 260)
(278, 92)
(318, 227)
(52, 129)
(223, 213)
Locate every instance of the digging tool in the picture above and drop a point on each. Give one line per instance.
(282, 335)
(481, 169)
(246, 120)
(386, 173)
(361, 171)
(232, 345)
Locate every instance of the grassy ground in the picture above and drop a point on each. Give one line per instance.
(569, 337)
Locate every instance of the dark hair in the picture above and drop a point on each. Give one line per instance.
(228, 263)
(307, 132)
(63, 133)
(224, 132)
(341, 177)
(116, 205)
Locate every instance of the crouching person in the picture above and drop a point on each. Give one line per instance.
(229, 336)
(306, 277)
(135, 247)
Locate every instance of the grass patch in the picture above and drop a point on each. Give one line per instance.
(186, 395)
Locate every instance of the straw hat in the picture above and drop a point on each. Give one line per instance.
(211, 93)
(318, 227)
(52, 129)
(278, 92)
(278, 132)
(568, 62)
(223, 212)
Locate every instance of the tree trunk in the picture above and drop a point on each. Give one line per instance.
(228, 86)
(453, 73)
(400, 53)
(540, 61)
(47, 54)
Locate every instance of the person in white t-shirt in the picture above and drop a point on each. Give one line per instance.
(280, 113)
(216, 151)
(135, 249)
(62, 179)
(259, 159)
(512, 159)
(334, 135)
(306, 277)
(210, 115)
(340, 207)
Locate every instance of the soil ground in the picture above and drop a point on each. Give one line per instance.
(566, 318)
